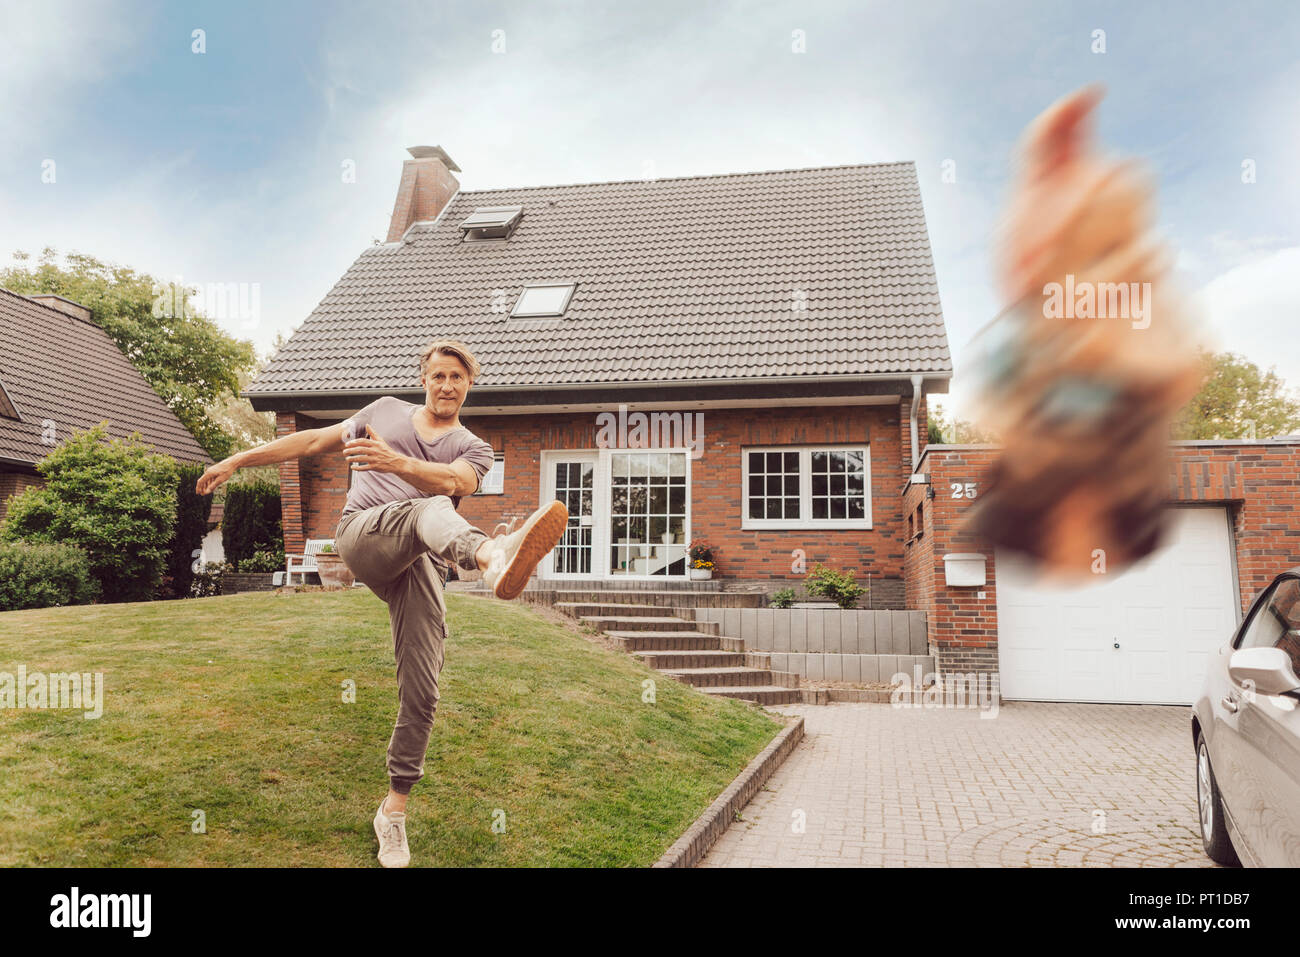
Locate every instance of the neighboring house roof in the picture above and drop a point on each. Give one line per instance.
(63, 370)
(679, 280)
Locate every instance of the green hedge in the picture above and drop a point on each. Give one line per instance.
(115, 499)
(192, 511)
(43, 576)
(251, 520)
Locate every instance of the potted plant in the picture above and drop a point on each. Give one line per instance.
(331, 568)
(701, 560)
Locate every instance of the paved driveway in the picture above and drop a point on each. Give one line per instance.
(1053, 785)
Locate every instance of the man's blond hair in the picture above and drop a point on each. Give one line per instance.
(451, 347)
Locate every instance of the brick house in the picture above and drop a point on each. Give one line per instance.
(784, 328)
(777, 331)
(59, 371)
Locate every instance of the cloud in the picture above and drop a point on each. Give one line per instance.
(1254, 309)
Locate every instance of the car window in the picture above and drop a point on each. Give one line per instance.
(1277, 622)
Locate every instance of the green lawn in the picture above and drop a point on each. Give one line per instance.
(234, 706)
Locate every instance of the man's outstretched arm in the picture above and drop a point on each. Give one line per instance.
(286, 448)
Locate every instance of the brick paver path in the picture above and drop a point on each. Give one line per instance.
(1038, 785)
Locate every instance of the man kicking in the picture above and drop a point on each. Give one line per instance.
(400, 532)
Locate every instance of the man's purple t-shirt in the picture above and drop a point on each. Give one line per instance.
(390, 419)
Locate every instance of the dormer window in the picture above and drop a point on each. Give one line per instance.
(7, 408)
(491, 222)
(544, 299)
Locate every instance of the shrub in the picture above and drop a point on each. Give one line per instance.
(782, 598)
(839, 587)
(114, 499)
(207, 580)
(44, 576)
(192, 511)
(263, 560)
(251, 521)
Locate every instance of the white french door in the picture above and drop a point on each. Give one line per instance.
(629, 512)
(571, 478)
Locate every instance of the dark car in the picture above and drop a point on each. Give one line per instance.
(1246, 730)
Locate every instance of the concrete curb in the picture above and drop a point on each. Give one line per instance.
(690, 848)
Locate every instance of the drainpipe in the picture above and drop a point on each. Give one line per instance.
(916, 402)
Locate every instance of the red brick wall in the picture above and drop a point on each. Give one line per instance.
(291, 524)
(1259, 484)
(11, 483)
(1262, 484)
(314, 491)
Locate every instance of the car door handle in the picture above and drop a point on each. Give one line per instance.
(1229, 704)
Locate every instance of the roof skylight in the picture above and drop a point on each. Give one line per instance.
(544, 299)
(492, 222)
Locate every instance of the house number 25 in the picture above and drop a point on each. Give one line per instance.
(963, 491)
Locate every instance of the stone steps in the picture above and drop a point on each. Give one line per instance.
(656, 623)
(724, 677)
(763, 694)
(581, 609)
(674, 660)
(666, 641)
(668, 638)
(662, 597)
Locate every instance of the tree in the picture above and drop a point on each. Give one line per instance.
(955, 432)
(1238, 401)
(188, 359)
(115, 500)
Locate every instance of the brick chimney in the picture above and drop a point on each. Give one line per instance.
(74, 309)
(426, 188)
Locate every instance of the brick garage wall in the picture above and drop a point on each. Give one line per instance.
(962, 627)
(11, 483)
(1259, 484)
(314, 491)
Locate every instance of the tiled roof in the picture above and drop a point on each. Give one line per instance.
(67, 371)
(678, 280)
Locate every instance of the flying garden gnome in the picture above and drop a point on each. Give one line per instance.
(1084, 373)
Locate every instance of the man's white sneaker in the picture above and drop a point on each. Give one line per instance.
(391, 831)
(512, 558)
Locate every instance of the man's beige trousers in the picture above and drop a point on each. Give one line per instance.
(388, 548)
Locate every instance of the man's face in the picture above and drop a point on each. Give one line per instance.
(446, 383)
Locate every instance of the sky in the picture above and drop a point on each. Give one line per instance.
(228, 165)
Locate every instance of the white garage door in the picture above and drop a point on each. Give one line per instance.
(1144, 636)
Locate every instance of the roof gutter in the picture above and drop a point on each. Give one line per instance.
(25, 463)
(914, 377)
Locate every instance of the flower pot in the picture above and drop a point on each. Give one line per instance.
(333, 570)
(701, 574)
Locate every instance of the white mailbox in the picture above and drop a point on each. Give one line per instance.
(964, 569)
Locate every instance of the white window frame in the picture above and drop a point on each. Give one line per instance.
(498, 458)
(515, 313)
(805, 487)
